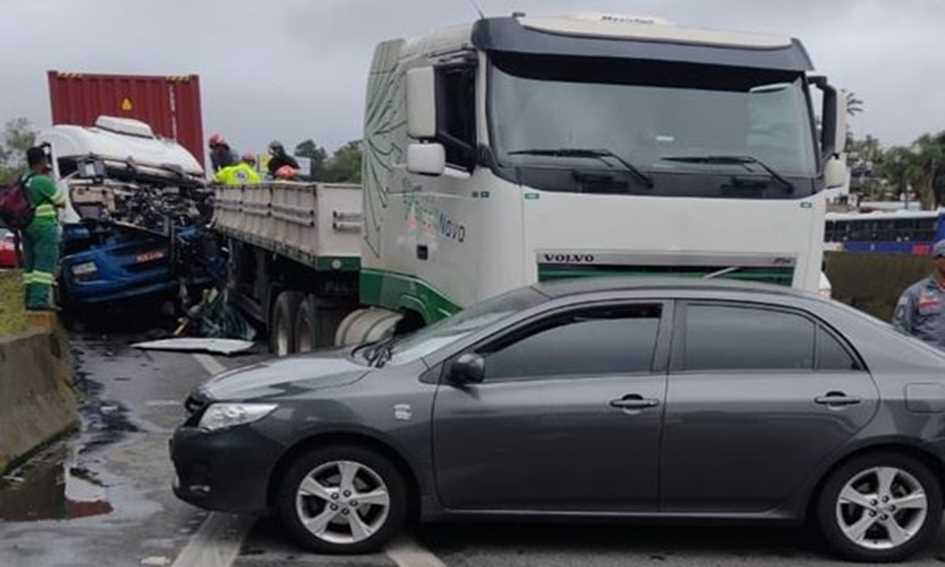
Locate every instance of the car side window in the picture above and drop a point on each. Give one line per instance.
(599, 341)
(728, 337)
(831, 355)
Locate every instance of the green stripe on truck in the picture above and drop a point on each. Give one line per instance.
(400, 292)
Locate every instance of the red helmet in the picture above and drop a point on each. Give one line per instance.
(286, 172)
(217, 140)
(248, 157)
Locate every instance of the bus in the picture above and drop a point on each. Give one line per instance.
(901, 232)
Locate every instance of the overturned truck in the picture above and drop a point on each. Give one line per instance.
(137, 205)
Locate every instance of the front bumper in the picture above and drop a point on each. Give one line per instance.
(227, 470)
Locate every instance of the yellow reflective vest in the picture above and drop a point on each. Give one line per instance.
(239, 174)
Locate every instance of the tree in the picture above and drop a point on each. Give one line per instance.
(918, 167)
(18, 136)
(854, 103)
(345, 164)
(316, 155)
(865, 158)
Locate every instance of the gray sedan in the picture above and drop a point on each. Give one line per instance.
(644, 398)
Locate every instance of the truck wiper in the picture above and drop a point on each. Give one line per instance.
(599, 154)
(733, 160)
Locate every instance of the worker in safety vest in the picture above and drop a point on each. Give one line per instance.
(243, 173)
(41, 237)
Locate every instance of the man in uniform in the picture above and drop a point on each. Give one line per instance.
(41, 237)
(921, 308)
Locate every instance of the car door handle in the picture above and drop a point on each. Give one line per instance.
(837, 399)
(634, 402)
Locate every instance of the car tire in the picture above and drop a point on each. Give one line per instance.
(880, 507)
(282, 327)
(351, 526)
(306, 325)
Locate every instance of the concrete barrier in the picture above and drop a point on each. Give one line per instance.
(37, 402)
(873, 282)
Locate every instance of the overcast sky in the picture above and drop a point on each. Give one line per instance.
(294, 69)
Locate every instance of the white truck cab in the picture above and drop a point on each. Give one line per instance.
(519, 149)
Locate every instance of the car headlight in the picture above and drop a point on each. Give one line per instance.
(84, 269)
(221, 416)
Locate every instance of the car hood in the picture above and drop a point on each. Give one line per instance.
(281, 377)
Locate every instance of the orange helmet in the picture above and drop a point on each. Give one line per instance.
(217, 140)
(286, 172)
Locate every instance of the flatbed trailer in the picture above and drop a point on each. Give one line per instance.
(294, 257)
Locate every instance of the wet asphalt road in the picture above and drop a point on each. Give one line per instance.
(103, 497)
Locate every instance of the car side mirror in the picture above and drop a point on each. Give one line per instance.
(469, 368)
(835, 173)
(426, 159)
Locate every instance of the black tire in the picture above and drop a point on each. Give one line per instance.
(288, 512)
(829, 495)
(282, 327)
(306, 326)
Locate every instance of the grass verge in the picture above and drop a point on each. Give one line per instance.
(12, 315)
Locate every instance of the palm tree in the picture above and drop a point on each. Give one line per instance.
(854, 103)
(928, 160)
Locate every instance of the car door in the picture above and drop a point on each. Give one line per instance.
(757, 397)
(567, 416)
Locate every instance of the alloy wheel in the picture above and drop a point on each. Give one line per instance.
(342, 502)
(881, 508)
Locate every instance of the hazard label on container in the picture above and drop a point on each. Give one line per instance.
(126, 104)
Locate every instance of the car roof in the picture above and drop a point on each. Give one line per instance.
(576, 286)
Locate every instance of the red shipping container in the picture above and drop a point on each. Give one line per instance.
(170, 105)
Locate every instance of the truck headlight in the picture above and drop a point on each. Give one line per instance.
(84, 272)
(84, 269)
(224, 415)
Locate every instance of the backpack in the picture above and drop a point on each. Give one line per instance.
(16, 211)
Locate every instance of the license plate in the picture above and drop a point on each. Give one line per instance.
(149, 256)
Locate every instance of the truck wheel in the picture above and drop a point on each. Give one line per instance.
(342, 499)
(306, 326)
(282, 329)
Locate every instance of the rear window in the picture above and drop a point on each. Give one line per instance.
(725, 337)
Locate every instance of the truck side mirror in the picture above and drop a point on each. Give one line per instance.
(426, 159)
(421, 103)
(834, 116)
(835, 173)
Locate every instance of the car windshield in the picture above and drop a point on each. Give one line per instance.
(468, 321)
(645, 112)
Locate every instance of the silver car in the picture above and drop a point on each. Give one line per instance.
(637, 398)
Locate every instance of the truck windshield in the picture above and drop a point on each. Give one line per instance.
(647, 111)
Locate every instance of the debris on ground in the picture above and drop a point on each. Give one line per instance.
(216, 317)
(194, 344)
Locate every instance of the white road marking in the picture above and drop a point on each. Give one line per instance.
(217, 542)
(406, 552)
(163, 403)
(209, 363)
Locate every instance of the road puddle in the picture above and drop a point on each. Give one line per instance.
(50, 486)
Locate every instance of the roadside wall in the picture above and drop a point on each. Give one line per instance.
(873, 282)
(37, 402)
